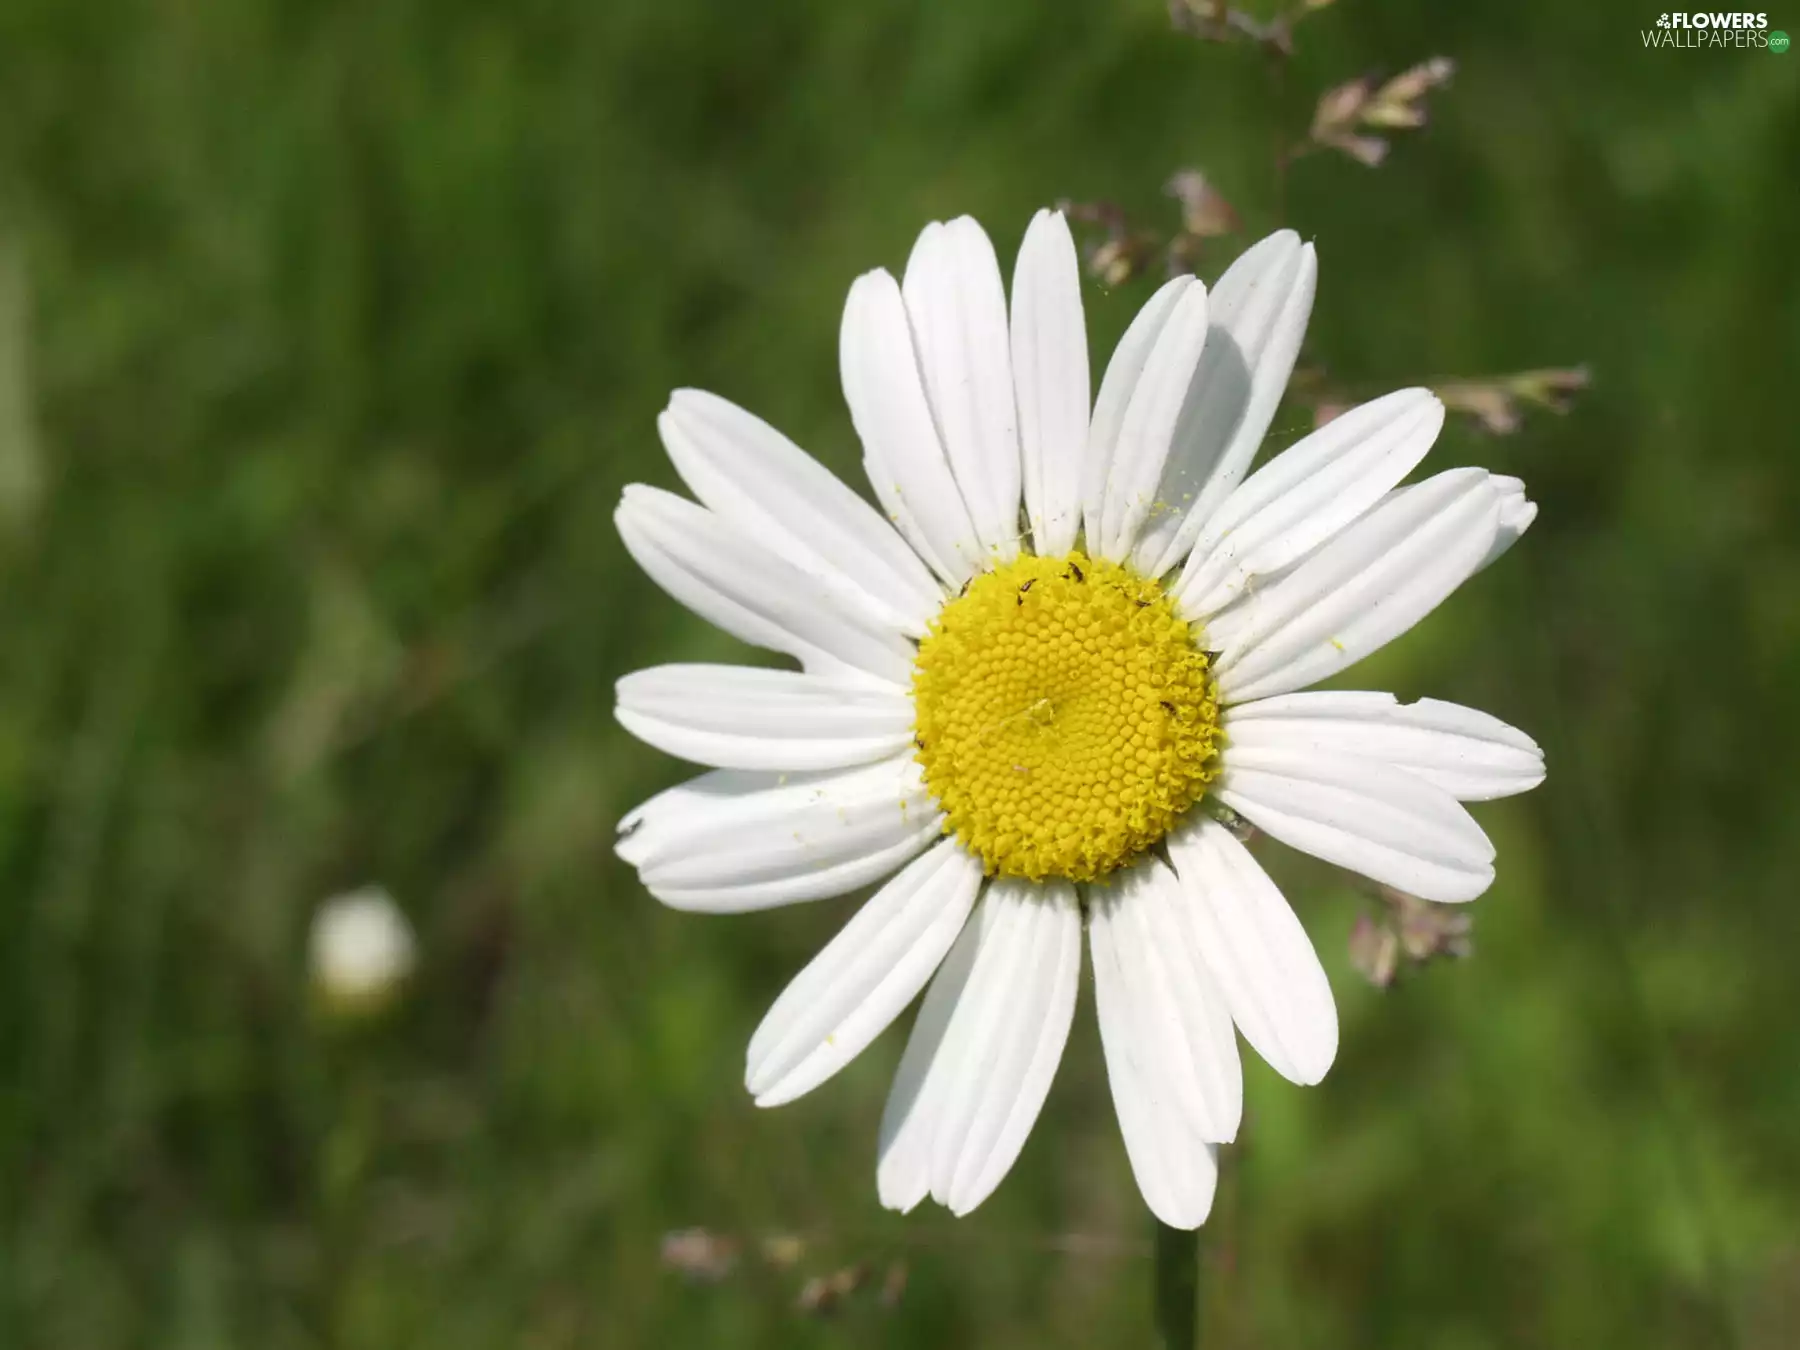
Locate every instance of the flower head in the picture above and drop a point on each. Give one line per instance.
(1036, 686)
(361, 950)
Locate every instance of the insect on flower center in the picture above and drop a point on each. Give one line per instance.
(1064, 715)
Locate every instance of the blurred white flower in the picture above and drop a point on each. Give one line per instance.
(361, 950)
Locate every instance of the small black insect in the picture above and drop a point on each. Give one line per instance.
(1077, 571)
(1027, 586)
(1167, 706)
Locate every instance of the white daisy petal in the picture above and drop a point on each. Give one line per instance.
(731, 581)
(1181, 1039)
(1469, 754)
(751, 475)
(957, 305)
(1353, 595)
(1258, 317)
(1050, 376)
(741, 717)
(984, 1126)
(1385, 823)
(1114, 398)
(903, 453)
(733, 840)
(1265, 965)
(982, 1055)
(914, 1103)
(1305, 495)
(864, 977)
(1148, 427)
(1176, 1170)
(1516, 514)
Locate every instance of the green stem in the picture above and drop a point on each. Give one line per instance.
(1177, 1289)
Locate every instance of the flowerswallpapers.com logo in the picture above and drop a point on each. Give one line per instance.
(1714, 29)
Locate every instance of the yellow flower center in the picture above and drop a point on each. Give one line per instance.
(1064, 716)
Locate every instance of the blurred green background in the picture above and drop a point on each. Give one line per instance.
(329, 334)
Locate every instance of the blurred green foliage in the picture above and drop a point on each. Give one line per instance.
(329, 334)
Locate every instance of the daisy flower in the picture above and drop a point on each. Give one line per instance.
(1041, 686)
